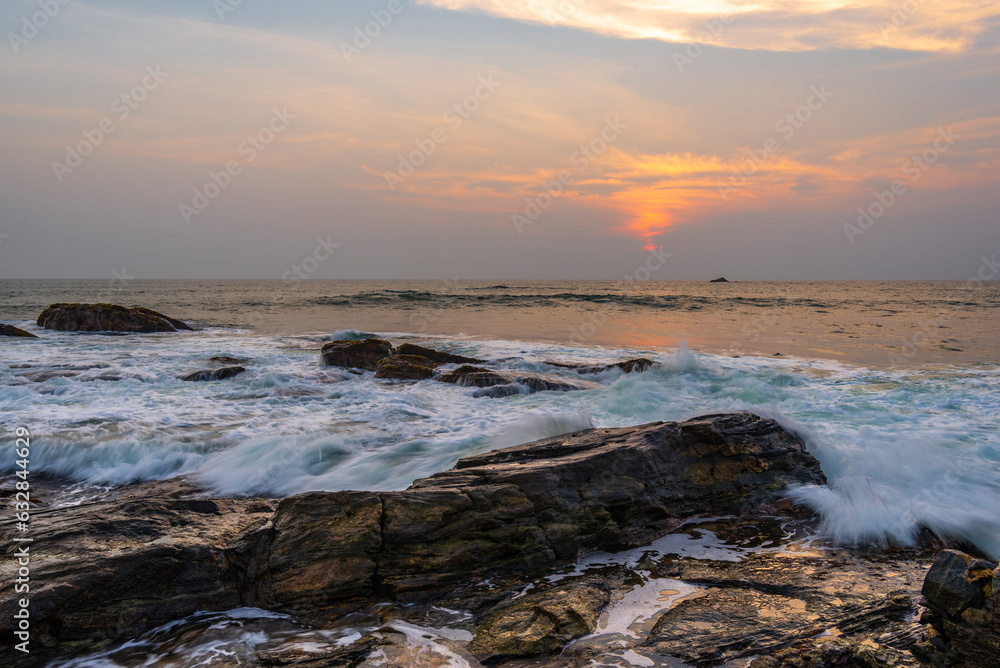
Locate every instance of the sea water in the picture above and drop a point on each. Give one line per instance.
(904, 446)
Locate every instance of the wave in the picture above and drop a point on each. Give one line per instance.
(902, 450)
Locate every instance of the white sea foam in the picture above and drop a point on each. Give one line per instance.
(902, 449)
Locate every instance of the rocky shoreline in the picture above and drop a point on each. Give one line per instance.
(486, 537)
(662, 544)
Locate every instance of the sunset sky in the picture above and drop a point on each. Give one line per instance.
(533, 139)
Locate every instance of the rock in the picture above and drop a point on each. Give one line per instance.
(11, 330)
(227, 359)
(516, 511)
(111, 570)
(637, 365)
(961, 598)
(473, 376)
(214, 374)
(107, 318)
(542, 623)
(503, 383)
(834, 653)
(405, 367)
(956, 582)
(178, 324)
(340, 656)
(436, 355)
(721, 279)
(363, 354)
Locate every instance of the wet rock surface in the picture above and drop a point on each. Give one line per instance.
(114, 569)
(436, 355)
(214, 374)
(229, 360)
(514, 511)
(363, 354)
(962, 597)
(107, 318)
(636, 365)
(542, 623)
(664, 544)
(413, 362)
(405, 367)
(498, 384)
(11, 330)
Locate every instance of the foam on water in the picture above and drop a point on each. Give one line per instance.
(901, 448)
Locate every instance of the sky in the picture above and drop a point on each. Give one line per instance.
(508, 139)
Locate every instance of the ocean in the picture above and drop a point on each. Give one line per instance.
(894, 385)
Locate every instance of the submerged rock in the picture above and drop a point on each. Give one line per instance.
(214, 374)
(350, 354)
(107, 318)
(11, 330)
(504, 383)
(228, 359)
(637, 365)
(405, 367)
(435, 355)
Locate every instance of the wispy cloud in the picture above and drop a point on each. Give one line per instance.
(777, 25)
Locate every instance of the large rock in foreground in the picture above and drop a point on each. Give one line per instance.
(111, 570)
(963, 600)
(515, 511)
(107, 318)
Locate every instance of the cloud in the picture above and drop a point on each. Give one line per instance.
(644, 195)
(775, 25)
